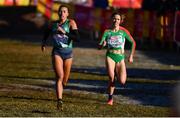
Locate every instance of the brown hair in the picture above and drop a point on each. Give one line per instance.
(61, 6)
(121, 15)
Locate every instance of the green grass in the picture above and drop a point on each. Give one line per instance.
(42, 103)
(25, 64)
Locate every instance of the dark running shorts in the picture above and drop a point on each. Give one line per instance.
(64, 53)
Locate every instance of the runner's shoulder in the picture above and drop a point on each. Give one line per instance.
(124, 30)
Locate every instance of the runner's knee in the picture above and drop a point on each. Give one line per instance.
(60, 78)
(122, 81)
(122, 78)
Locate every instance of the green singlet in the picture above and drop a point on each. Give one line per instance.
(115, 41)
(61, 40)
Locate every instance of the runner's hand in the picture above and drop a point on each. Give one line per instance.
(130, 60)
(43, 48)
(104, 43)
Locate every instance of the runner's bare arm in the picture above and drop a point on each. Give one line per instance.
(45, 37)
(74, 33)
(133, 46)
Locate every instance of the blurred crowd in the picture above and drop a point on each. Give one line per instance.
(159, 5)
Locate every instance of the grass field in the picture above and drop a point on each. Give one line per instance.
(27, 87)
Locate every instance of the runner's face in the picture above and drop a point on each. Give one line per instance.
(63, 13)
(116, 20)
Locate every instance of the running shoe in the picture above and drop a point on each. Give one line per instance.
(60, 104)
(110, 102)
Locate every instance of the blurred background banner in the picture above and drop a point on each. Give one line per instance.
(8, 2)
(18, 2)
(83, 16)
(126, 3)
(45, 6)
(2, 2)
(55, 7)
(145, 24)
(22, 2)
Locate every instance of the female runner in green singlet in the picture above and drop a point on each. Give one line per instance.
(115, 38)
(64, 32)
